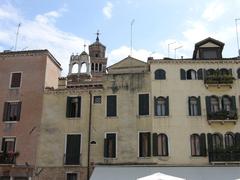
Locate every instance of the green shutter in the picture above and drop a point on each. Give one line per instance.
(155, 106)
(167, 106)
(5, 111)
(203, 151)
(237, 139)
(19, 111)
(3, 145)
(189, 106)
(238, 73)
(68, 107)
(221, 140)
(155, 144)
(200, 74)
(208, 104)
(182, 74)
(199, 106)
(233, 103)
(210, 142)
(79, 106)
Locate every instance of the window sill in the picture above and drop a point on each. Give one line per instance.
(197, 157)
(143, 116)
(111, 117)
(161, 116)
(14, 88)
(197, 116)
(73, 118)
(148, 157)
(10, 122)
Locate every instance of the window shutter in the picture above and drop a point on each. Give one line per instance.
(199, 106)
(155, 144)
(200, 74)
(111, 106)
(163, 74)
(155, 106)
(167, 146)
(167, 106)
(106, 142)
(203, 151)
(19, 111)
(68, 107)
(210, 142)
(238, 73)
(140, 144)
(149, 144)
(208, 104)
(73, 149)
(221, 140)
(189, 106)
(233, 103)
(230, 71)
(237, 139)
(143, 104)
(5, 111)
(114, 146)
(182, 74)
(3, 145)
(79, 106)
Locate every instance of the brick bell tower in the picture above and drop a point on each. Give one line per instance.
(97, 59)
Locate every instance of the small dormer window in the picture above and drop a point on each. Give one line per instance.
(209, 53)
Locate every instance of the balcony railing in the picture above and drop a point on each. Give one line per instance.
(69, 159)
(8, 158)
(223, 115)
(225, 156)
(219, 79)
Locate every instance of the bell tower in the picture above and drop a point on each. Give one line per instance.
(97, 58)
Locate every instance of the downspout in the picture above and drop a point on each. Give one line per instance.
(89, 134)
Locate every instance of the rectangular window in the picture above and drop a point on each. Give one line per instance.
(73, 106)
(144, 144)
(73, 146)
(15, 81)
(8, 145)
(97, 99)
(71, 176)
(110, 145)
(194, 106)
(143, 104)
(111, 106)
(12, 111)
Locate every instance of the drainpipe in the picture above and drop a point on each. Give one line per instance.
(89, 135)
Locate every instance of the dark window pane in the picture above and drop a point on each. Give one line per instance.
(110, 145)
(111, 106)
(12, 111)
(4, 177)
(97, 99)
(144, 144)
(16, 80)
(143, 104)
(73, 106)
(20, 178)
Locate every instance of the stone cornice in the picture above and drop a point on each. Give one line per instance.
(71, 91)
(189, 61)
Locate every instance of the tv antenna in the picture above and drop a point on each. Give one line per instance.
(175, 49)
(131, 35)
(238, 19)
(169, 47)
(16, 41)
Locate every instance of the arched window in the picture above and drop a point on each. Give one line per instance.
(160, 74)
(214, 104)
(96, 67)
(211, 72)
(162, 145)
(217, 141)
(75, 68)
(191, 74)
(229, 139)
(83, 68)
(161, 106)
(224, 72)
(195, 145)
(226, 103)
(92, 67)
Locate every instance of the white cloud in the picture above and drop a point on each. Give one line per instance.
(107, 10)
(214, 10)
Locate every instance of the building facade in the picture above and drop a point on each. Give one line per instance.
(159, 113)
(24, 76)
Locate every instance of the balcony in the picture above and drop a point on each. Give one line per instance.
(222, 116)
(8, 158)
(69, 159)
(224, 156)
(219, 80)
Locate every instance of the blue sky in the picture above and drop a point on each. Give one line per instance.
(63, 26)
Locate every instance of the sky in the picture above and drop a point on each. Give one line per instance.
(64, 26)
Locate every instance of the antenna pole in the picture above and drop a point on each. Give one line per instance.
(169, 47)
(237, 36)
(16, 41)
(176, 50)
(131, 35)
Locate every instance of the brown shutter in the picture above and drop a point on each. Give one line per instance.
(68, 107)
(5, 111)
(189, 106)
(203, 151)
(167, 106)
(155, 106)
(149, 144)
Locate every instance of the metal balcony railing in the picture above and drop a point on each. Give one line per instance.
(223, 115)
(225, 156)
(8, 158)
(219, 79)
